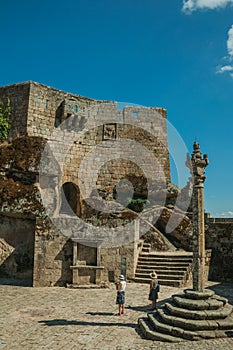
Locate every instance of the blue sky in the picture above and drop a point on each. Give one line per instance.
(164, 53)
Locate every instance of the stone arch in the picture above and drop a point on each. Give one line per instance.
(70, 199)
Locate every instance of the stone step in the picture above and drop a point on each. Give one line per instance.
(146, 250)
(146, 245)
(217, 333)
(226, 323)
(194, 304)
(162, 268)
(165, 282)
(149, 257)
(161, 271)
(168, 265)
(159, 326)
(199, 314)
(172, 255)
(220, 298)
(191, 325)
(164, 260)
(172, 268)
(205, 294)
(149, 333)
(160, 277)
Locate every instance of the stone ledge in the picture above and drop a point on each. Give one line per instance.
(194, 304)
(174, 331)
(87, 286)
(220, 298)
(192, 294)
(187, 324)
(227, 323)
(153, 335)
(199, 314)
(83, 267)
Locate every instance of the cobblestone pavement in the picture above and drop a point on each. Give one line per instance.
(83, 319)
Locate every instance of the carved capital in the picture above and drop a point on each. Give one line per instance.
(198, 164)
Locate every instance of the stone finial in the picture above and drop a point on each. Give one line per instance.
(198, 164)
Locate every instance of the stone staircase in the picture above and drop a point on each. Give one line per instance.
(173, 268)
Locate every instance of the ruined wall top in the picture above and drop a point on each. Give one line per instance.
(41, 111)
(37, 109)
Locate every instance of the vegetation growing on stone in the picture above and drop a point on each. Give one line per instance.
(137, 204)
(5, 119)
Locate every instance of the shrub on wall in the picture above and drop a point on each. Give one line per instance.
(5, 119)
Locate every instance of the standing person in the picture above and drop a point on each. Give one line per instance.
(120, 300)
(154, 289)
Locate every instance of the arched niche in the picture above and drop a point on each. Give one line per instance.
(70, 199)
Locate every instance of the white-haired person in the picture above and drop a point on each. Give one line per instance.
(154, 289)
(120, 299)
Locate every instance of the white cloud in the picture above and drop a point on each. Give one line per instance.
(193, 5)
(227, 214)
(230, 42)
(228, 68)
(224, 69)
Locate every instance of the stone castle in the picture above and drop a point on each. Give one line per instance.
(42, 194)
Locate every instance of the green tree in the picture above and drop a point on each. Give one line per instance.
(5, 119)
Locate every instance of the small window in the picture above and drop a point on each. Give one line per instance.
(135, 114)
(75, 108)
(47, 104)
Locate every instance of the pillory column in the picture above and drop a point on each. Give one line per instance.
(198, 165)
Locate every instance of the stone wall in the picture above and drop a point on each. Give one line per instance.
(19, 101)
(95, 125)
(219, 238)
(99, 164)
(53, 256)
(49, 107)
(19, 234)
(88, 125)
(120, 260)
(49, 253)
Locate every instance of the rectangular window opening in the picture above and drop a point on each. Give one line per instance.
(123, 266)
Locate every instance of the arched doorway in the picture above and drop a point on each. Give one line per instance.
(70, 199)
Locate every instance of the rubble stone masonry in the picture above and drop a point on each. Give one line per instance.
(219, 238)
(37, 112)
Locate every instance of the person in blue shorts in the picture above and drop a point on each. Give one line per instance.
(120, 299)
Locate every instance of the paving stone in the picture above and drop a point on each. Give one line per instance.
(62, 318)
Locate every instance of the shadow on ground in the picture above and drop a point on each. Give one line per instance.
(9, 281)
(100, 313)
(225, 290)
(146, 308)
(64, 322)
